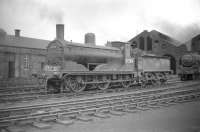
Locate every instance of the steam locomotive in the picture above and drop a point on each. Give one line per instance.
(76, 67)
(189, 66)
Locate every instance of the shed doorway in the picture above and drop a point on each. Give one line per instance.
(172, 62)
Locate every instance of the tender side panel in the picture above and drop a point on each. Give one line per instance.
(155, 64)
(165, 64)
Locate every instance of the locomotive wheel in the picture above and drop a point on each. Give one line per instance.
(126, 84)
(75, 84)
(153, 80)
(81, 85)
(157, 82)
(126, 81)
(161, 78)
(103, 86)
(144, 81)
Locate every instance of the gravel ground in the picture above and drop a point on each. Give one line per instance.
(177, 118)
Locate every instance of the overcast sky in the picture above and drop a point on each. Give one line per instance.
(110, 20)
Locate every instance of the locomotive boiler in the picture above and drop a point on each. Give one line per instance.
(189, 66)
(61, 52)
(74, 66)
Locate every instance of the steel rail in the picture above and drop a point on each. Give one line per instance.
(74, 107)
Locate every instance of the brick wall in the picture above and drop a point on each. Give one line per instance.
(26, 61)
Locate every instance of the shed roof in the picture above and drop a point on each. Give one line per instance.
(159, 35)
(165, 37)
(24, 42)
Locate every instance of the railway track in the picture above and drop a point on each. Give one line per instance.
(20, 89)
(86, 109)
(31, 93)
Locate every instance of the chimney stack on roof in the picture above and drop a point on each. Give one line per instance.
(17, 33)
(60, 31)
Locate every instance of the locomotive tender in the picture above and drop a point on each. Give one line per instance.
(73, 66)
(189, 66)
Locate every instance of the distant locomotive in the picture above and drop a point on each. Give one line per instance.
(189, 66)
(75, 67)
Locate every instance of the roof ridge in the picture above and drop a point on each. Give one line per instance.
(25, 37)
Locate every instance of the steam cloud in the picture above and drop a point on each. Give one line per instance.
(51, 14)
(104, 17)
(178, 32)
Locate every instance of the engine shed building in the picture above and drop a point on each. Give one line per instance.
(160, 44)
(20, 56)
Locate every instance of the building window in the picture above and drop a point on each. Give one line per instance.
(26, 62)
(149, 43)
(141, 39)
(42, 65)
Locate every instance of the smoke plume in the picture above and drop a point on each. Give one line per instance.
(51, 14)
(181, 33)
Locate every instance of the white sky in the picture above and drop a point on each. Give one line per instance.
(110, 20)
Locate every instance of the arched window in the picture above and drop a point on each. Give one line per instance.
(149, 43)
(141, 39)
